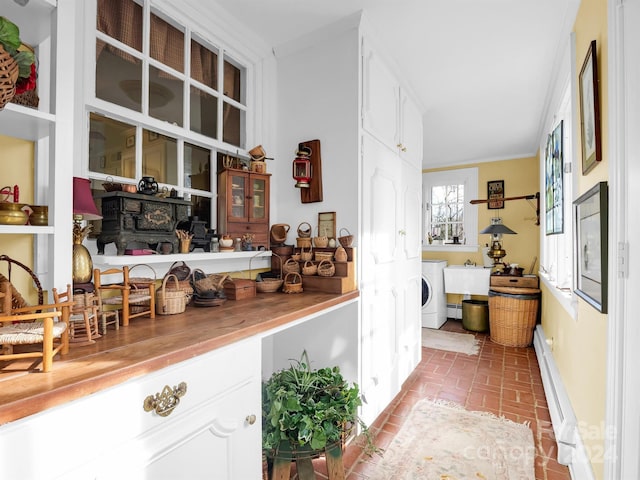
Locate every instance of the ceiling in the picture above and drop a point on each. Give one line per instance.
(482, 70)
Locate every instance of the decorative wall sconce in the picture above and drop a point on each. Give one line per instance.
(302, 167)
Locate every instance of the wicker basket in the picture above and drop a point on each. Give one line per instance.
(290, 266)
(304, 232)
(513, 313)
(140, 288)
(268, 285)
(345, 240)
(326, 268)
(204, 284)
(309, 268)
(303, 242)
(30, 97)
(170, 299)
(8, 77)
(340, 255)
(319, 256)
(292, 283)
(321, 241)
(183, 273)
(306, 255)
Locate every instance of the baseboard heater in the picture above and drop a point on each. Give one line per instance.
(454, 310)
(562, 417)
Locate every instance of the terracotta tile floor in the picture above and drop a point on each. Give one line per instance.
(502, 380)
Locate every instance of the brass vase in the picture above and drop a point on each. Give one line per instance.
(81, 258)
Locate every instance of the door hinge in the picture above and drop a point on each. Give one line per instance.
(623, 259)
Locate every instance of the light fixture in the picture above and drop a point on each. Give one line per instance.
(84, 208)
(496, 230)
(302, 167)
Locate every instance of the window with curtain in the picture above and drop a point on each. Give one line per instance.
(175, 76)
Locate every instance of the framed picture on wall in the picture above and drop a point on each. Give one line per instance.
(590, 111)
(592, 246)
(553, 171)
(495, 194)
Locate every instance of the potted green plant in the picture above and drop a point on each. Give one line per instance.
(18, 63)
(305, 411)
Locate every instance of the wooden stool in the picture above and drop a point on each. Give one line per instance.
(304, 465)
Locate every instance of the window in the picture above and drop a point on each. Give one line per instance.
(556, 256)
(167, 100)
(447, 212)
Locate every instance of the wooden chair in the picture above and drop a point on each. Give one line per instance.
(37, 324)
(106, 316)
(126, 295)
(83, 320)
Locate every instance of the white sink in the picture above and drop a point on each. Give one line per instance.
(466, 280)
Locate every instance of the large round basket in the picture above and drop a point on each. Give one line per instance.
(513, 313)
(170, 299)
(292, 283)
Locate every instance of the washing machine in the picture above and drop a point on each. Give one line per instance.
(434, 300)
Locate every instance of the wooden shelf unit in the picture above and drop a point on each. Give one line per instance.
(344, 279)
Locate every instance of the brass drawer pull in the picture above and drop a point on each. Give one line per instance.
(164, 403)
(251, 419)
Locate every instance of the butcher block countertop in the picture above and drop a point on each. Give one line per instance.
(148, 345)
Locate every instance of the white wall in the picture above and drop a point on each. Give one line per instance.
(318, 99)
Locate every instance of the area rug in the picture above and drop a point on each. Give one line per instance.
(443, 441)
(450, 341)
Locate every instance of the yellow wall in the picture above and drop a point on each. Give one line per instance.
(579, 346)
(520, 178)
(14, 153)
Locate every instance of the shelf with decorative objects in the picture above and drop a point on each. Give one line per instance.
(341, 274)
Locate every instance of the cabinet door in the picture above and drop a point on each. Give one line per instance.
(381, 303)
(411, 129)
(380, 100)
(219, 440)
(237, 204)
(259, 199)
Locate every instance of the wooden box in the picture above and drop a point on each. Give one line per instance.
(525, 281)
(239, 289)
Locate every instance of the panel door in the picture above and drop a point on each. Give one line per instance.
(380, 99)
(380, 247)
(411, 131)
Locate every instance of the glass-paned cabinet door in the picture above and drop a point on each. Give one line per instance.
(259, 198)
(238, 188)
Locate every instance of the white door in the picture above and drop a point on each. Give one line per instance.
(380, 300)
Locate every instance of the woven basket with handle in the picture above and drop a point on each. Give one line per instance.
(8, 77)
(170, 299)
(309, 268)
(292, 283)
(268, 285)
(326, 268)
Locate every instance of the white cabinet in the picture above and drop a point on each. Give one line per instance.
(213, 432)
(390, 247)
(391, 295)
(39, 21)
(388, 112)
